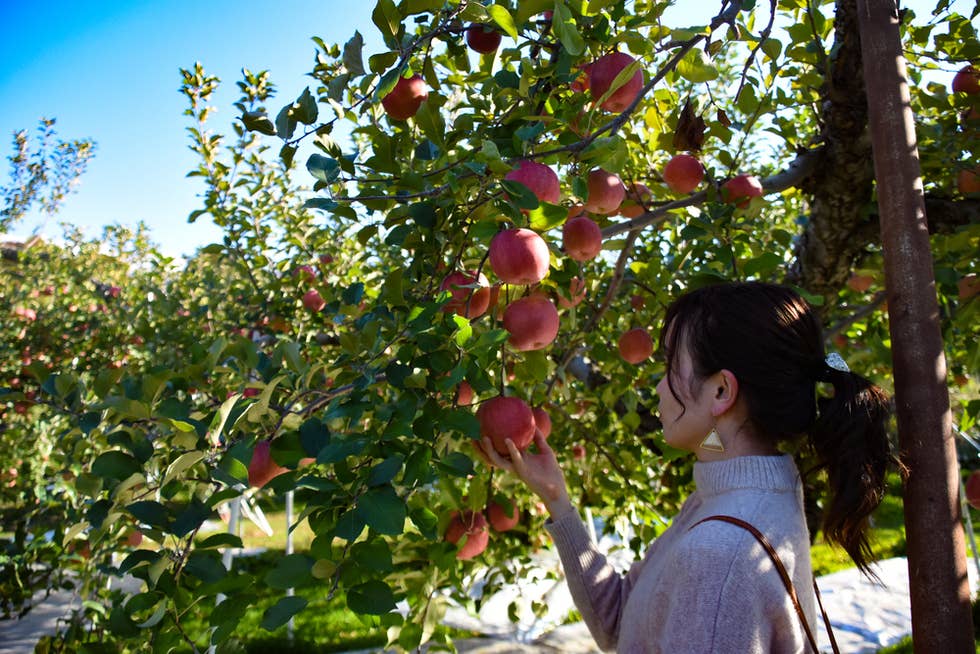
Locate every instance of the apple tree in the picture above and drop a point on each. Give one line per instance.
(476, 231)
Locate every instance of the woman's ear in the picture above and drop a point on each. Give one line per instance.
(724, 392)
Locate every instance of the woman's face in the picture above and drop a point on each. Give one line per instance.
(684, 426)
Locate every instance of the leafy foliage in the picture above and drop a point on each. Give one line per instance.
(137, 388)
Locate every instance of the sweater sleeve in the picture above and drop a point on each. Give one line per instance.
(598, 590)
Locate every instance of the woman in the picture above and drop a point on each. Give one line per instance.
(742, 364)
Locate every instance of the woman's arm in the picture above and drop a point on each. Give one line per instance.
(598, 590)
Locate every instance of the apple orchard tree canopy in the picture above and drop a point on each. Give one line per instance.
(528, 185)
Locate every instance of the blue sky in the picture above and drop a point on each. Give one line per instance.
(108, 70)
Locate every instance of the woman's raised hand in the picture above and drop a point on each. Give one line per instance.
(540, 471)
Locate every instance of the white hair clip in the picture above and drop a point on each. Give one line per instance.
(836, 362)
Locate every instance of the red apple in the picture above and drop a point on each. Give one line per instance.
(473, 525)
(305, 273)
(637, 302)
(539, 178)
(860, 283)
(637, 196)
(967, 80)
(519, 256)
(683, 173)
(542, 421)
(482, 38)
(464, 394)
(134, 538)
(581, 238)
(251, 392)
(499, 519)
(313, 301)
(403, 101)
(968, 286)
(506, 417)
(606, 192)
(30, 315)
(262, 468)
(973, 489)
(968, 181)
(603, 71)
(635, 346)
(532, 322)
(740, 190)
(578, 452)
(576, 293)
(466, 301)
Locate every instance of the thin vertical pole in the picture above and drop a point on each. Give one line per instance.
(228, 556)
(289, 550)
(939, 588)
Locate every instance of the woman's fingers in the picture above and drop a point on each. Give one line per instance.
(492, 456)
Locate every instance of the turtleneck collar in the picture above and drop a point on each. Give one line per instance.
(772, 473)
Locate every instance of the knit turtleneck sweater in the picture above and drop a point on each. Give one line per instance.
(712, 588)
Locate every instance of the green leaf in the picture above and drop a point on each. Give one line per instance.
(323, 168)
(383, 510)
(291, 571)
(352, 54)
(258, 121)
(772, 48)
(564, 27)
(150, 513)
(206, 566)
(279, 614)
(285, 123)
(183, 462)
(220, 540)
(502, 17)
(323, 204)
(371, 598)
(457, 464)
(304, 109)
(385, 471)
(547, 216)
(520, 194)
(696, 67)
(314, 436)
(374, 555)
(349, 525)
(115, 465)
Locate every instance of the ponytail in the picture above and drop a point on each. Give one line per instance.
(851, 441)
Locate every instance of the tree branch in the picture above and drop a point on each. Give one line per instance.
(797, 170)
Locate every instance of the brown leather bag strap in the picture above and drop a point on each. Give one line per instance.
(787, 581)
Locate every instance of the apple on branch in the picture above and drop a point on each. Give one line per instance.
(501, 418)
(967, 80)
(683, 173)
(532, 322)
(313, 301)
(519, 256)
(483, 38)
(606, 192)
(581, 238)
(472, 525)
(500, 519)
(403, 101)
(263, 468)
(602, 73)
(635, 345)
(467, 301)
(538, 178)
(740, 190)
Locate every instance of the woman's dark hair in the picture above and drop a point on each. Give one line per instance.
(770, 339)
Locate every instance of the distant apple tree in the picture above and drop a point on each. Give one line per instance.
(525, 187)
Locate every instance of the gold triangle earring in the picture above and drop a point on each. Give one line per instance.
(712, 442)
